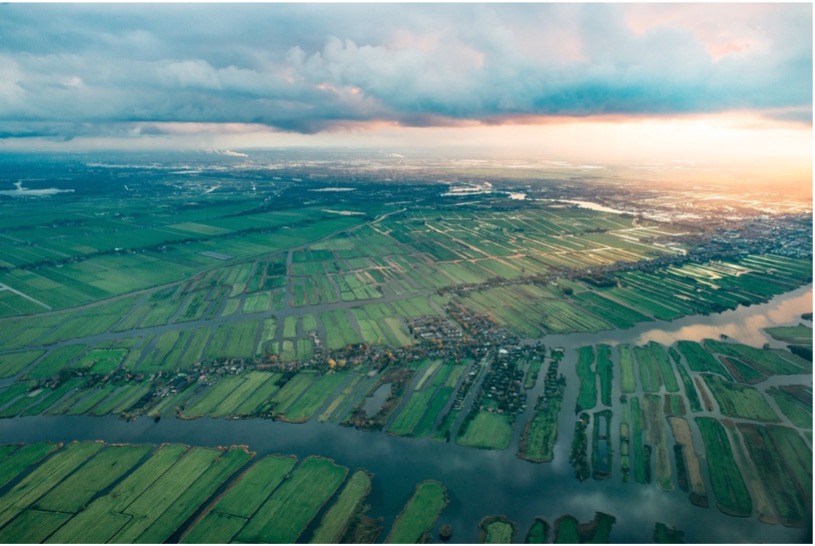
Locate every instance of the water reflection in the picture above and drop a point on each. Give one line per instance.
(479, 482)
(745, 324)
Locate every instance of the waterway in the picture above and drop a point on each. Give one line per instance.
(481, 482)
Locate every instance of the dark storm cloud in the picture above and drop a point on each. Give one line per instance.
(312, 67)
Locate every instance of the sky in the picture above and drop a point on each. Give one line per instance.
(651, 82)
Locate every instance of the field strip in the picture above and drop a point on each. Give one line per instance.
(26, 296)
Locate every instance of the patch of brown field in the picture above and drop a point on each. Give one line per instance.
(682, 434)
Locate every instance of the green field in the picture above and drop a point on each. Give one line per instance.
(419, 514)
(496, 530)
(538, 532)
(486, 431)
(587, 396)
(737, 400)
(286, 513)
(540, 434)
(798, 335)
(794, 401)
(99, 472)
(338, 518)
(790, 505)
(628, 380)
(728, 486)
(16, 459)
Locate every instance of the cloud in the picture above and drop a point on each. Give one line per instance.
(313, 68)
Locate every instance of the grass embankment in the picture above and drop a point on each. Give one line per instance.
(419, 514)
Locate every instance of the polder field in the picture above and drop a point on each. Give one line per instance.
(259, 358)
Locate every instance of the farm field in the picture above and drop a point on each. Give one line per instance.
(419, 514)
(383, 327)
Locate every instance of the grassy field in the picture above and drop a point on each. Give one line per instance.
(790, 502)
(699, 359)
(311, 399)
(605, 372)
(728, 486)
(655, 434)
(104, 517)
(540, 434)
(766, 361)
(32, 526)
(628, 379)
(794, 401)
(487, 431)
(56, 360)
(798, 335)
(419, 514)
(195, 495)
(640, 455)
(566, 530)
(338, 518)
(538, 532)
(496, 530)
(239, 503)
(44, 478)
(13, 363)
(737, 400)
(587, 395)
(286, 513)
(684, 437)
(690, 391)
(16, 459)
(99, 472)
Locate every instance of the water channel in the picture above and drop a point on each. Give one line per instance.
(480, 482)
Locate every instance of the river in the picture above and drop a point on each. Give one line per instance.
(482, 483)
